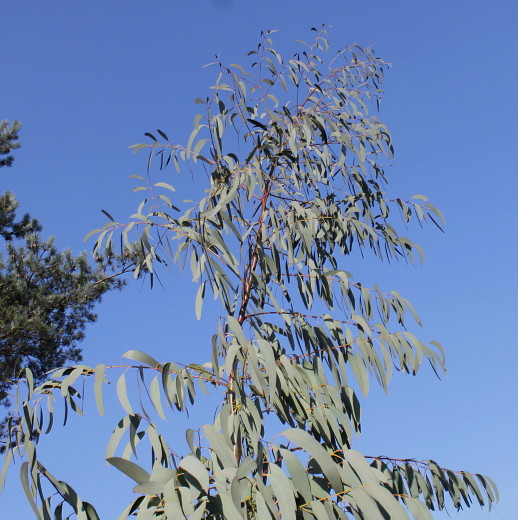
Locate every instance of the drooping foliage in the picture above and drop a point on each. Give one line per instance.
(295, 158)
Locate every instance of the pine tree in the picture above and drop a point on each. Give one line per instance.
(47, 296)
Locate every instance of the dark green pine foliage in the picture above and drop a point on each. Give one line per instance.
(8, 141)
(47, 296)
(294, 159)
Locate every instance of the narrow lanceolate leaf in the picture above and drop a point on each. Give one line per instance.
(141, 357)
(100, 370)
(360, 372)
(91, 513)
(131, 422)
(360, 466)
(132, 470)
(195, 468)
(154, 392)
(360, 500)
(200, 295)
(24, 477)
(298, 474)
(270, 365)
(122, 394)
(383, 497)
(418, 509)
(284, 491)
(219, 446)
(490, 487)
(70, 496)
(321, 456)
(7, 462)
(164, 185)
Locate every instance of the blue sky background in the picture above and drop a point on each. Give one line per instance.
(87, 79)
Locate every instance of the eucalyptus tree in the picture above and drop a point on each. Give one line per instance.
(295, 165)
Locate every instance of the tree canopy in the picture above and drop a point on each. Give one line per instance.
(295, 160)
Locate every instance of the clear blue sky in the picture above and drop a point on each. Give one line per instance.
(87, 79)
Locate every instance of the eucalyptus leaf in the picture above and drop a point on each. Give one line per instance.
(132, 470)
